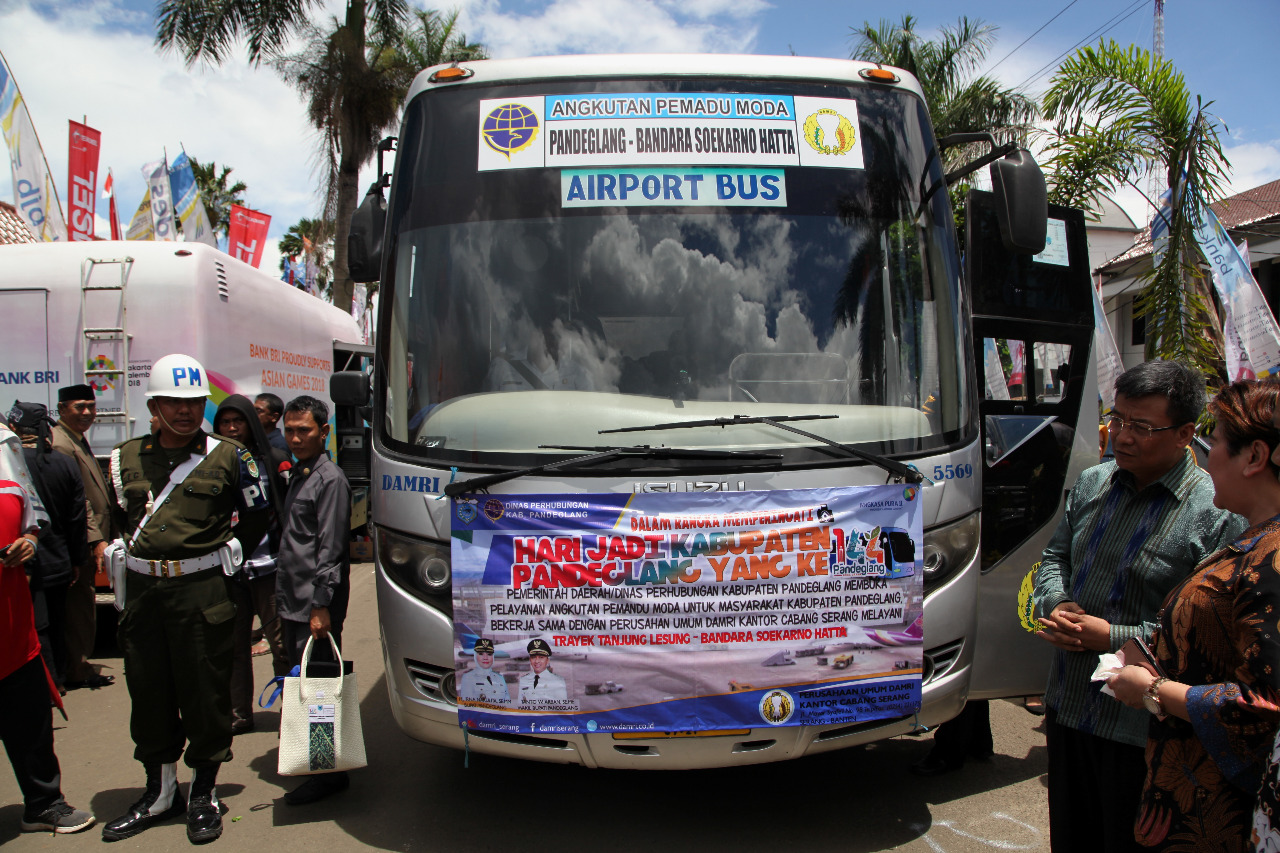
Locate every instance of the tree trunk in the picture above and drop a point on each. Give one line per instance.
(348, 168)
(348, 197)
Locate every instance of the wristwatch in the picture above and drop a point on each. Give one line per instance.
(1151, 698)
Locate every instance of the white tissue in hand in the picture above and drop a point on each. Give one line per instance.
(1108, 665)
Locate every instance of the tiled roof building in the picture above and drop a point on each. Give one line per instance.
(12, 228)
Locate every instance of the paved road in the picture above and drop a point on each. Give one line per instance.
(419, 797)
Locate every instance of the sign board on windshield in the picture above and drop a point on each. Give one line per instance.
(687, 611)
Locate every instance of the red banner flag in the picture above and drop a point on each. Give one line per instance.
(108, 189)
(82, 180)
(247, 234)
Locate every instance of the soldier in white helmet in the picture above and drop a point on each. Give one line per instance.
(174, 494)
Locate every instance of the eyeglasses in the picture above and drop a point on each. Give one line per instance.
(1117, 425)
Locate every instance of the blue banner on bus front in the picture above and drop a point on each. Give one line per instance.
(687, 611)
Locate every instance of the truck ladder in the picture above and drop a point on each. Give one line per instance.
(105, 348)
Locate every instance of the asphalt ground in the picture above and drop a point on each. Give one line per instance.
(419, 797)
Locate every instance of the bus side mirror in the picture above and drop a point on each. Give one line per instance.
(1021, 202)
(364, 242)
(349, 388)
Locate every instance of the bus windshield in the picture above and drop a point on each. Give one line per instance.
(514, 319)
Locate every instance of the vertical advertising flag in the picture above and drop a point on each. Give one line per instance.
(82, 180)
(1110, 365)
(1256, 337)
(994, 372)
(108, 192)
(33, 191)
(156, 174)
(187, 204)
(140, 227)
(247, 234)
(1018, 367)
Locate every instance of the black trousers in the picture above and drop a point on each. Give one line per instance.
(26, 727)
(1094, 787)
(50, 606)
(295, 636)
(967, 735)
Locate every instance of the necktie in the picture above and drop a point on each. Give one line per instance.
(535, 679)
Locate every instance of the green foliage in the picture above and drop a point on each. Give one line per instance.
(319, 234)
(958, 101)
(1118, 112)
(217, 193)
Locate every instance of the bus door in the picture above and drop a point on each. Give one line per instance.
(1033, 331)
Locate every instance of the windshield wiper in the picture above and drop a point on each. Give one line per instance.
(598, 455)
(893, 466)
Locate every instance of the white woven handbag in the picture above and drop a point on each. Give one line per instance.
(320, 722)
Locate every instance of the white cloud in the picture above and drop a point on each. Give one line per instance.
(614, 26)
(144, 104)
(1253, 164)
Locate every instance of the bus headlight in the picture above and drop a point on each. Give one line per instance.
(949, 547)
(421, 566)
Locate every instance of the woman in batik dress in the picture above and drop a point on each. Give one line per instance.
(1216, 715)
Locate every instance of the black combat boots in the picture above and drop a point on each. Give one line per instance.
(159, 802)
(204, 817)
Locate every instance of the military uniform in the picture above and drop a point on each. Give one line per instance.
(176, 630)
(484, 685)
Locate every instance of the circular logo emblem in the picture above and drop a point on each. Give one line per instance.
(591, 725)
(250, 465)
(776, 707)
(910, 493)
(466, 512)
(100, 383)
(816, 136)
(493, 509)
(510, 128)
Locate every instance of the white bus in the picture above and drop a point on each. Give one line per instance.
(696, 251)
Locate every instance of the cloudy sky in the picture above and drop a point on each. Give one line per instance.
(94, 60)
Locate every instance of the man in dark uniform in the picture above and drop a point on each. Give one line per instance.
(175, 492)
(77, 410)
(313, 581)
(270, 408)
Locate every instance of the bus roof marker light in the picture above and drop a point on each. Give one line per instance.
(878, 75)
(452, 74)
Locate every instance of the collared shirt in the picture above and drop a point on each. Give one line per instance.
(314, 560)
(484, 685)
(1117, 553)
(196, 517)
(545, 685)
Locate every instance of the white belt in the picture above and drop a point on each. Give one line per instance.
(173, 568)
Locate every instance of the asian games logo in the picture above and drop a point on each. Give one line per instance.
(859, 553)
(776, 707)
(99, 383)
(842, 138)
(509, 129)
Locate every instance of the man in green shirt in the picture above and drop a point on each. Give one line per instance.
(1132, 530)
(175, 492)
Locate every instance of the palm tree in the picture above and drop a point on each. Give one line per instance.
(1117, 113)
(435, 40)
(349, 100)
(958, 102)
(216, 193)
(315, 234)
